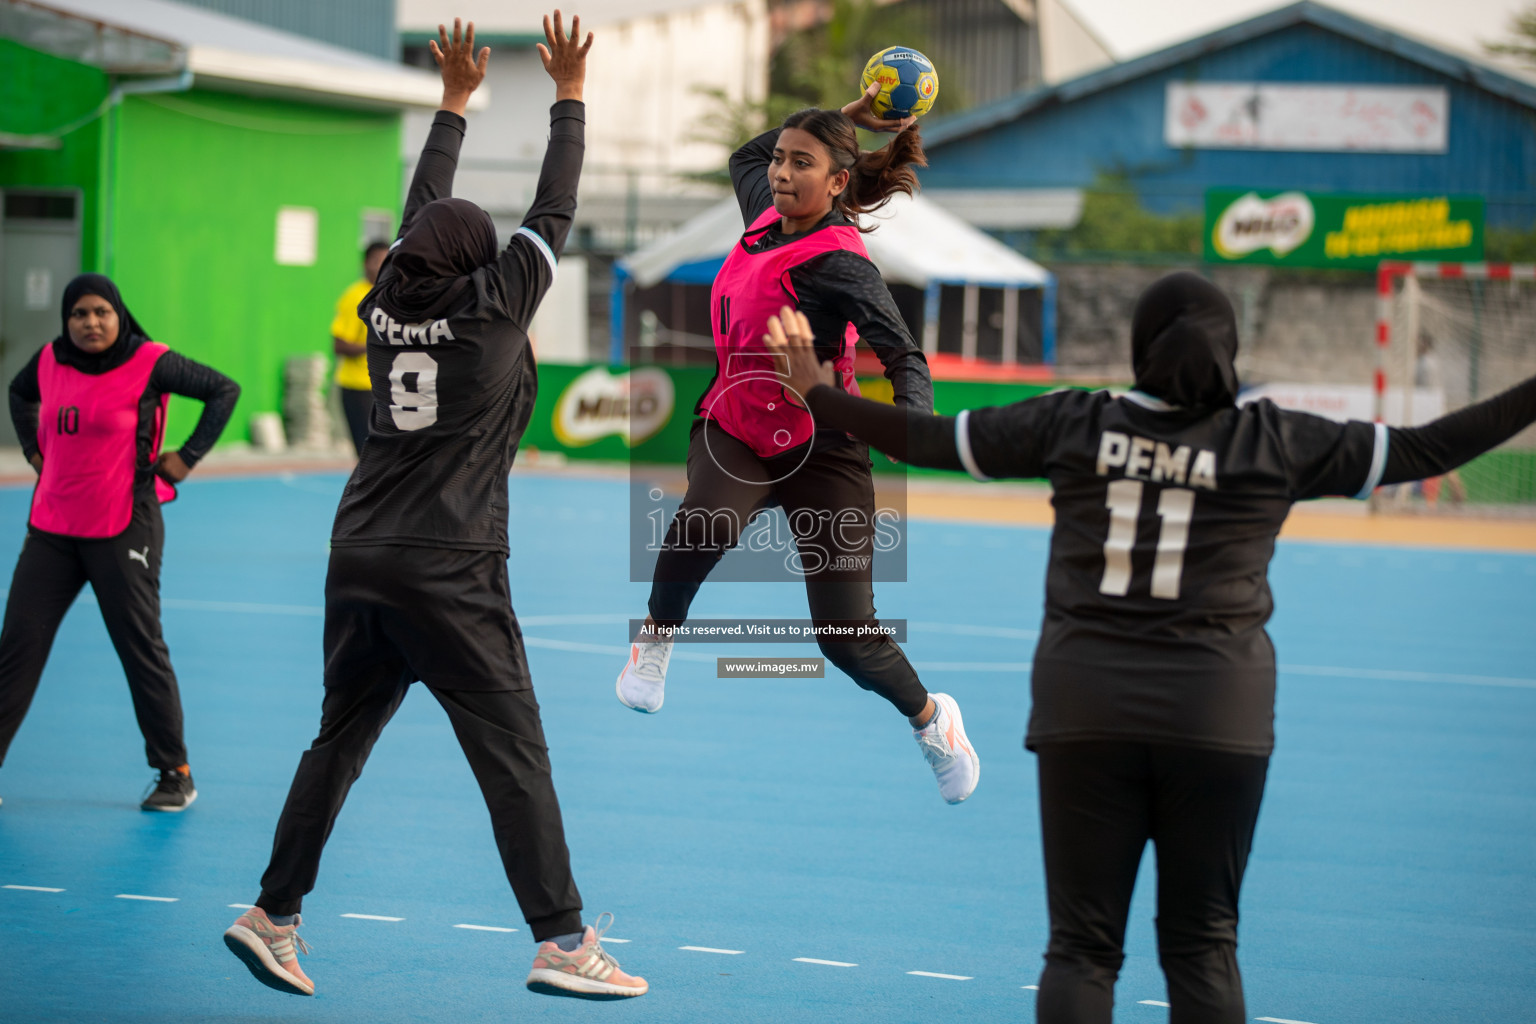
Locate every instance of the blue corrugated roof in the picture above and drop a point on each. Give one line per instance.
(1307, 12)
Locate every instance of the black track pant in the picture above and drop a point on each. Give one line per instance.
(727, 485)
(395, 614)
(124, 573)
(358, 406)
(1100, 802)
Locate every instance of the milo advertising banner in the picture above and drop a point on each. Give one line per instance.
(1320, 229)
(614, 412)
(643, 413)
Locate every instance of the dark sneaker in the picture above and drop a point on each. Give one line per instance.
(174, 791)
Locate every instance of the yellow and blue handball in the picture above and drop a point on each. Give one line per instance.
(908, 83)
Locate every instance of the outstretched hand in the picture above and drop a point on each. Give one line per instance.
(789, 336)
(462, 70)
(861, 112)
(565, 58)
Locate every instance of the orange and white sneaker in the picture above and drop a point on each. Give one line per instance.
(268, 951)
(642, 684)
(949, 751)
(586, 973)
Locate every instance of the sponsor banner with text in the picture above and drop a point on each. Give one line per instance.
(643, 413)
(1319, 229)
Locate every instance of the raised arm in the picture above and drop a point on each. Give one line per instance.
(462, 73)
(526, 267)
(1414, 453)
(749, 175)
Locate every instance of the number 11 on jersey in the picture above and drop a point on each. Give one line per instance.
(1175, 507)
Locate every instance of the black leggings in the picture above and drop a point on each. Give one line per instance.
(1100, 802)
(727, 485)
(124, 573)
(395, 614)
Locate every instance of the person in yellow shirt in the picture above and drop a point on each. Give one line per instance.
(349, 336)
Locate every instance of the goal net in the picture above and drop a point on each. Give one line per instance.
(1448, 335)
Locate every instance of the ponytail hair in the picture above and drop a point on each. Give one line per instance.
(873, 177)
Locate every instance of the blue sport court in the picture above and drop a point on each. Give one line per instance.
(773, 850)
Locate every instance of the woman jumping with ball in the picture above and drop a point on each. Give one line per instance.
(802, 188)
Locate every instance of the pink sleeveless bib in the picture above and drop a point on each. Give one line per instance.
(746, 399)
(87, 432)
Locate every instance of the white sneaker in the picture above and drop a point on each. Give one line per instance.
(949, 751)
(642, 683)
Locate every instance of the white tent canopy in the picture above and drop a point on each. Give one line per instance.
(915, 242)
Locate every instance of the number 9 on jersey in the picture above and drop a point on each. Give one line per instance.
(413, 390)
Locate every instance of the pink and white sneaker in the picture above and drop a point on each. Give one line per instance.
(642, 684)
(949, 752)
(268, 951)
(586, 973)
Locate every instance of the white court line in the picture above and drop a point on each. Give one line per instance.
(708, 949)
(608, 650)
(242, 906)
(951, 977)
(32, 888)
(484, 928)
(372, 917)
(1152, 1002)
(610, 938)
(825, 963)
(960, 629)
(1399, 675)
(1032, 988)
(955, 628)
(151, 899)
(1282, 1020)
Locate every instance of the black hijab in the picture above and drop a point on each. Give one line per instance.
(129, 334)
(446, 242)
(1184, 342)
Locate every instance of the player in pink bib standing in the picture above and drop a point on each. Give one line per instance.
(801, 188)
(89, 410)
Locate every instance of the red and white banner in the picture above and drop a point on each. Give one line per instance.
(1315, 118)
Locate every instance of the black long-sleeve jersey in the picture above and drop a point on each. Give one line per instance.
(452, 396)
(836, 288)
(1157, 587)
(173, 374)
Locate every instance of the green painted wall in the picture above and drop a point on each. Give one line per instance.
(197, 180)
(181, 193)
(39, 94)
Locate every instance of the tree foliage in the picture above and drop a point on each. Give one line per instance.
(1521, 43)
(1114, 221)
(818, 67)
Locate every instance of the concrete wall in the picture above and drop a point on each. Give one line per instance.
(1310, 328)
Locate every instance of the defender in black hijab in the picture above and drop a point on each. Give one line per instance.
(1153, 678)
(417, 588)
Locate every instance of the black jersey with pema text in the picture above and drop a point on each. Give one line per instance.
(1157, 590)
(453, 394)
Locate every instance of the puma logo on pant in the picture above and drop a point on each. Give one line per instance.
(142, 556)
